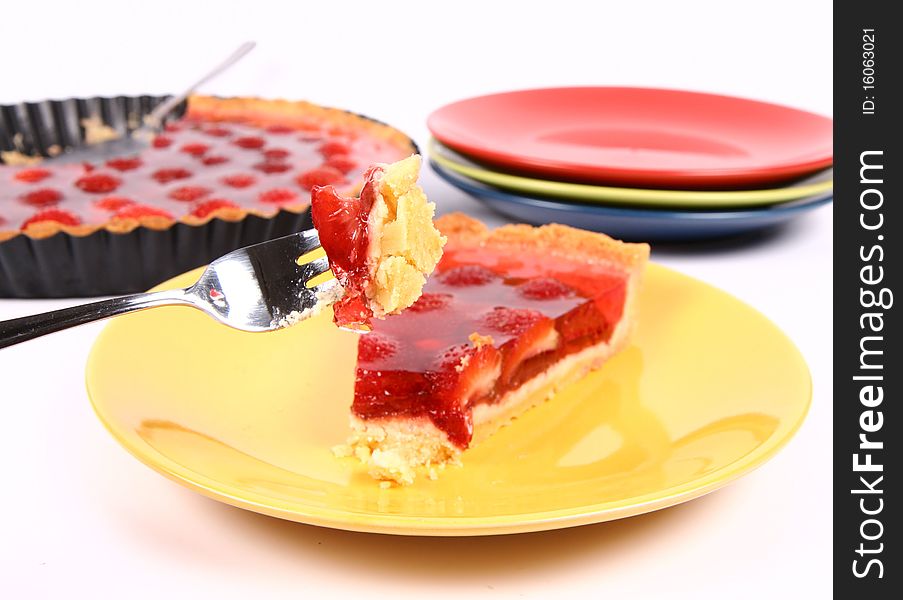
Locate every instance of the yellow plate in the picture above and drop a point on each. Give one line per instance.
(708, 390)
(818, 184)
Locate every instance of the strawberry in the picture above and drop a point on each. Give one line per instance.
(63, 217)
(273, 167)
(534, 339)
(276, 153)
(333, 147)
(42, 197)
(466, 275)
(217, 131)
(205, 208)
(511, 321)
(214, 159)
(189, 193)
(125, 164)
(428, 302)
(97, 183)
(113, 203)
(240, 180)
(342, 223)
(249, 142)
(465, 375)
(279, 129)
(32, 175)
(375, 346)
(195, 149)
(167, 175)
(544, 288)
(277, 196)
(340, 162)
(319, 176)
(351, 309)
(138, 211)
(161, 141)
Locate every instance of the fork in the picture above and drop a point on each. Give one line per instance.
(263, 287)
(153, 122)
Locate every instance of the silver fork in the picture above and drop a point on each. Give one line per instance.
(258, 288)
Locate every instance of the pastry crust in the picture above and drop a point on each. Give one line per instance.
(396, 448)
(405, 245)
(301, 115)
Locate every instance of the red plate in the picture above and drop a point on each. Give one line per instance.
(638, 136)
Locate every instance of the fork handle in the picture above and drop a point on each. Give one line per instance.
(23, 329)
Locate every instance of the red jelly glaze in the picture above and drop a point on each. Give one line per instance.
(342, 225)
(431, 368)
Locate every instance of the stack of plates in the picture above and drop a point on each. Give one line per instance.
(636, 163)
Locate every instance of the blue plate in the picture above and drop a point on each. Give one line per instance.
(634, 223)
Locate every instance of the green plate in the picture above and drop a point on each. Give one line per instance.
(819, 183)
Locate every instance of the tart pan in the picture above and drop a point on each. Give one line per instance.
(106, 262)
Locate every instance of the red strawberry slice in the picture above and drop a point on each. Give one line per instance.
(596, 319)
(125, 164)
(342, 224)
(276, 153)
(63, 217)
(207, 207)
(161, 141)
(320, 176)
(429, 302)
(113, 203)
(467, 373)
(32, 175)
(42, 197)
(139, 211)
(511, 321)
(467, 275)
(273, 167)
(375, 346)
(168, 175)
(214, 159)
(217, 131)
(97, 183)
(532, 333)
(334, 147)
(240, 180)
(249, 142)
(278, 196)
(340, 162)
(195, 149)
(189, 193)
(544, 288)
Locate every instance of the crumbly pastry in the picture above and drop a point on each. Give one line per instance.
(382, 245)
(509, 317)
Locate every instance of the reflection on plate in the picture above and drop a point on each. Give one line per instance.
(641, 224)
(817, 184)
(638, 137)
(249, 419)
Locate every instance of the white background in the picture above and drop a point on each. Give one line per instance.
(80, 518)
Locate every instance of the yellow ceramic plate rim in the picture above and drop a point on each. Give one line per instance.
(450, 525)
(450, 159)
